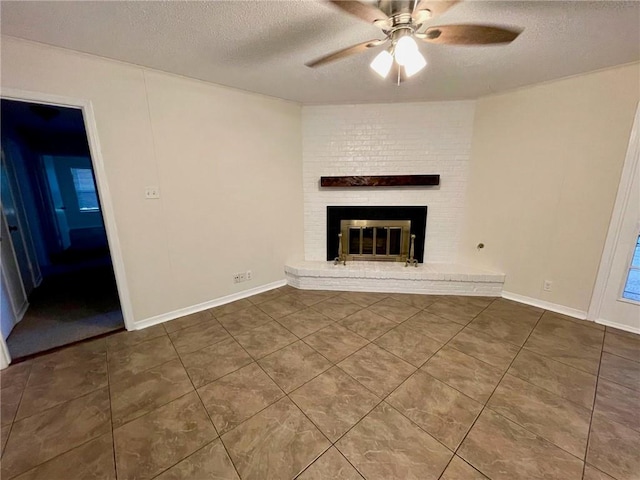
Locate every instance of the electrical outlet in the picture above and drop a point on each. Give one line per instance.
(239, 277)
(151, 192)
(249, 275)
(547, 285)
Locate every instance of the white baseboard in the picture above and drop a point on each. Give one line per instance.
(165, 317)
(553, 307)
(619, 326)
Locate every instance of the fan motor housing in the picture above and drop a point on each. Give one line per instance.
(394, 7)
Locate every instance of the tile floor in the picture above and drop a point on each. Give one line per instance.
(333, 385)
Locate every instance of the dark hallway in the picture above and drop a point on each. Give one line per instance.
(64, 288)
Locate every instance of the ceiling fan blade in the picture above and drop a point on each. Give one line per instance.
(469, 35)
(436, 7)
(345, 52)
(363, 11)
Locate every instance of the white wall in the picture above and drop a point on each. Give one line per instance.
(390, 139)
(545, 167)
(228, 164)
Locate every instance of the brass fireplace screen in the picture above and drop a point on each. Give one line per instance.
(380, 240)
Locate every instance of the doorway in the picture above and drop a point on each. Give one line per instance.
(54, 228)
(616, 297)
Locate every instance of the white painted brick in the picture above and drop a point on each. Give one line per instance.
(388, 139)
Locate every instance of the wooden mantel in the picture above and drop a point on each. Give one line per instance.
(381, 181)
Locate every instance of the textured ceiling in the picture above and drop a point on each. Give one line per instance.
(262, 46)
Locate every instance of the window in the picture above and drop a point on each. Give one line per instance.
(85, 189)
(632, 286)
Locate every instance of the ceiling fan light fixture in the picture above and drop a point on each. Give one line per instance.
(382, 63)
(415, 64)
(405, 50)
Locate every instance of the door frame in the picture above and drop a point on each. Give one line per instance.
(106, 203)
(629, 170)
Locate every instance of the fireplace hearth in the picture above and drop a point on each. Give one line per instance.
(376, 233)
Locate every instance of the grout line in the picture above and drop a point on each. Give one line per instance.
(495, 388)
(113, 436)
(33, 356)
(593, 410)
(206, 412)
(332, 365)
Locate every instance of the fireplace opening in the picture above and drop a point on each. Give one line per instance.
(381, 240)
(376, 233)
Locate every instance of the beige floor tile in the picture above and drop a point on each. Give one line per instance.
(378, 370)
(591, 473)
(187, 321)
(514, 310)
(555, 326)
(440, 410)
(485, 348)
(212, 362)
(210, 462)
(563, 423)
(57, 430)
(265, 339)
(311, 297)
(415, 300)
(334, 402)
(50, 385)
(141, 357)
(243, 320)
(477, 301)
(237, 396)
(458, 469)
(277, 443)
(335, 342)
(433, 326)
(466, 374)
(15, 374)
(620, 370)
(534, 425)
(331, 465)
(305, 322)
(130, 338)
(409, 345)
(336, 308)
(150, 444)
(613, 448)
(230, 308)
(294, 365)
(622, 333)
(9, 403)
(72, 356)
(282, 306)
(564, 351)
(364, 299)
(367, 324)
(266, 296)
(385, 445)
(90, 461)
(623, 346)
(555, 377)
(199, 336)
(394, 310)
(507, 329)
(618, 404)
(503, 450)
(138, 394)
(457, 312)
(4, 436)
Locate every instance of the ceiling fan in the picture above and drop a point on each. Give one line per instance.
(402, 22)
